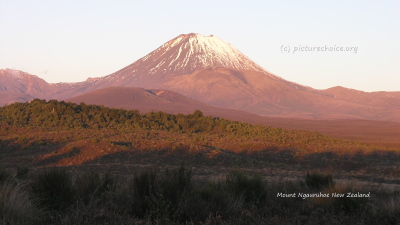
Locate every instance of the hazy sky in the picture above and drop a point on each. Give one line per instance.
(69, 41)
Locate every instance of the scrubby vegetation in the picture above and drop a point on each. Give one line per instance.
(59, 116)
(173, 197)
(61, 133)
(318, 181)
(85, 164)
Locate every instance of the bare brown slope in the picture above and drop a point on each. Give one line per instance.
(370, 131)
(15, 81)
(389, 100)
(9, 97)
(212, 71)
(153, 100)
(183, 54)
(259, 93)
(172, 102)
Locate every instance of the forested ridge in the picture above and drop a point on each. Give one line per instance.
(59, 115)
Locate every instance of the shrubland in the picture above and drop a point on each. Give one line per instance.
(86, 164)
(172, 196)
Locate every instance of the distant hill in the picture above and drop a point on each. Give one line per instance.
(132, 98)
(172, 102)
(212, 71)
(18, 86)
(9, 97)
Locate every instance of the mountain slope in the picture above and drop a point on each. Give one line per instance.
(132, 98)
(172, 102)
(18, 81)
(212, 71)
(265, 95)
(390, 100)
(181, 55)
(9, 97)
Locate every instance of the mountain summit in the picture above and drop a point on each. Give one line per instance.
(189, 52)
(212, 71)
(183, 55)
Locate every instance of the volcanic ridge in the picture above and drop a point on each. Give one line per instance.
(212, 72)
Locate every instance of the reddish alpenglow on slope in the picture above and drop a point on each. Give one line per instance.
(187, 53)
(212, 71)
(179, 56)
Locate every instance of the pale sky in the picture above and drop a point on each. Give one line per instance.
(69, 41)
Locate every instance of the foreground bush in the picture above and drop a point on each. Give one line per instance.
(54, 189)
(91, 186)
(318, 181)
(252, 189)
(17, 206)
(4, 175)
(155, 195)
(172, 197)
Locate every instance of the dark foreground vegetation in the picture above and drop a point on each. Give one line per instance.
(56, 196)
(84, 164)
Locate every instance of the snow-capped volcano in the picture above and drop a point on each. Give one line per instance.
(183, 55)
(187, 53)
(210, 70)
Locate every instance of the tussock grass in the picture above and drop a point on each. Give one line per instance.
(17, 205)
(4, 175)
(172, 197)
(54, 189)
(318, 181)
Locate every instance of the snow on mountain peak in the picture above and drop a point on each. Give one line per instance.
(187, 53)
(209, 51)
